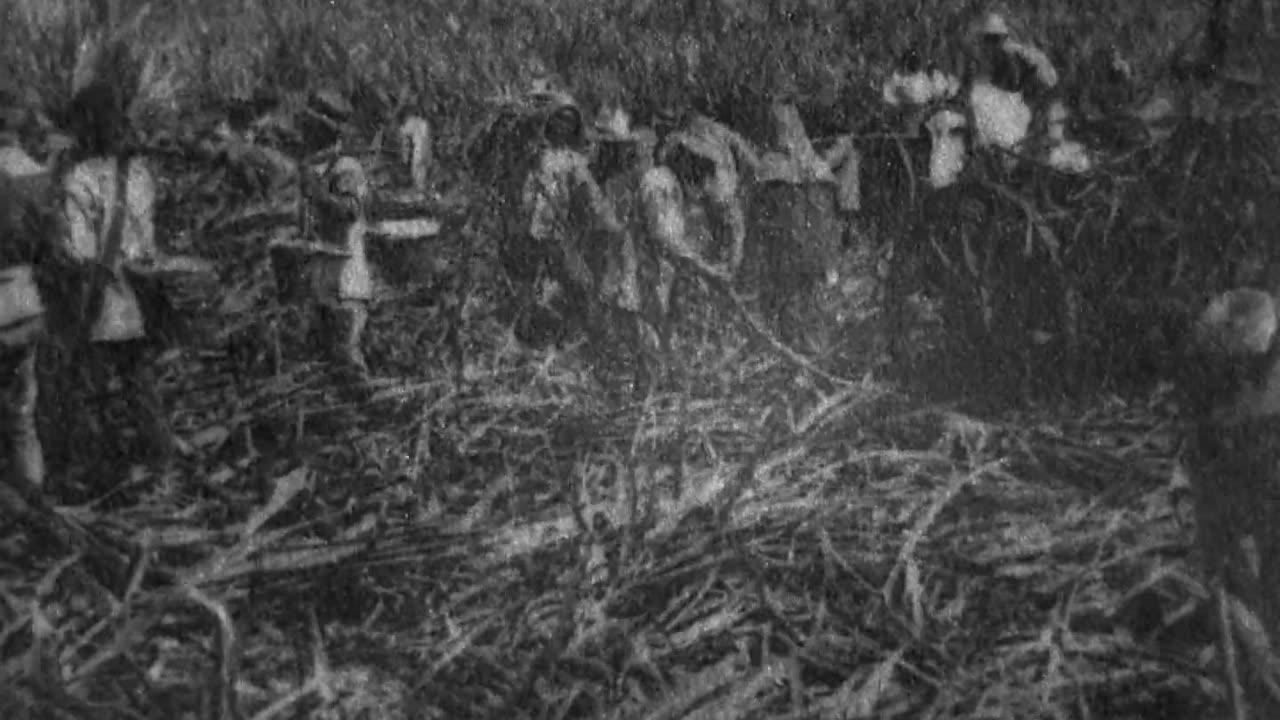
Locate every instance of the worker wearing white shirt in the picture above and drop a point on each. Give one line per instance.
(1012, 81)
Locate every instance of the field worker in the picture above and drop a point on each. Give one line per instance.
(414, 147)
(710, 160)
(24, 230)
(562, 209)
(335, 266)
(501, 155)
(109, 207)
(324, 119)
(796, 230)
(1012, 81)
(549, 121)
(638, 277)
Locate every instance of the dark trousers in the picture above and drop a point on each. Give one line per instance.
(339, 330)
(133, 361)
(532, 265)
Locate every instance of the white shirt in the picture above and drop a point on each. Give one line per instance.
(90, 189)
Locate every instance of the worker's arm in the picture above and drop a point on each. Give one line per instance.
(839, 152)
(1037, 59)
(843, 159)
(743, 152)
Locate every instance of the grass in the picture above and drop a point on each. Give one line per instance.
(490, 533)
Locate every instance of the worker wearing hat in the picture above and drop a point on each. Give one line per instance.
(796, 225)
(34, 274)
(1014, 65)
(561, 207)
(110, 198)
(1010, 85)
(623, 154)
(788, 154)
(561, 117)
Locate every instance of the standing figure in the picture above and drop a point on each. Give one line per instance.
(110, 230)
(88, 220)
(344, 288)
(562, 214)
(1010, 63)
(1012, 82)
(638, 278)
(24, 229)
(328, 270)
